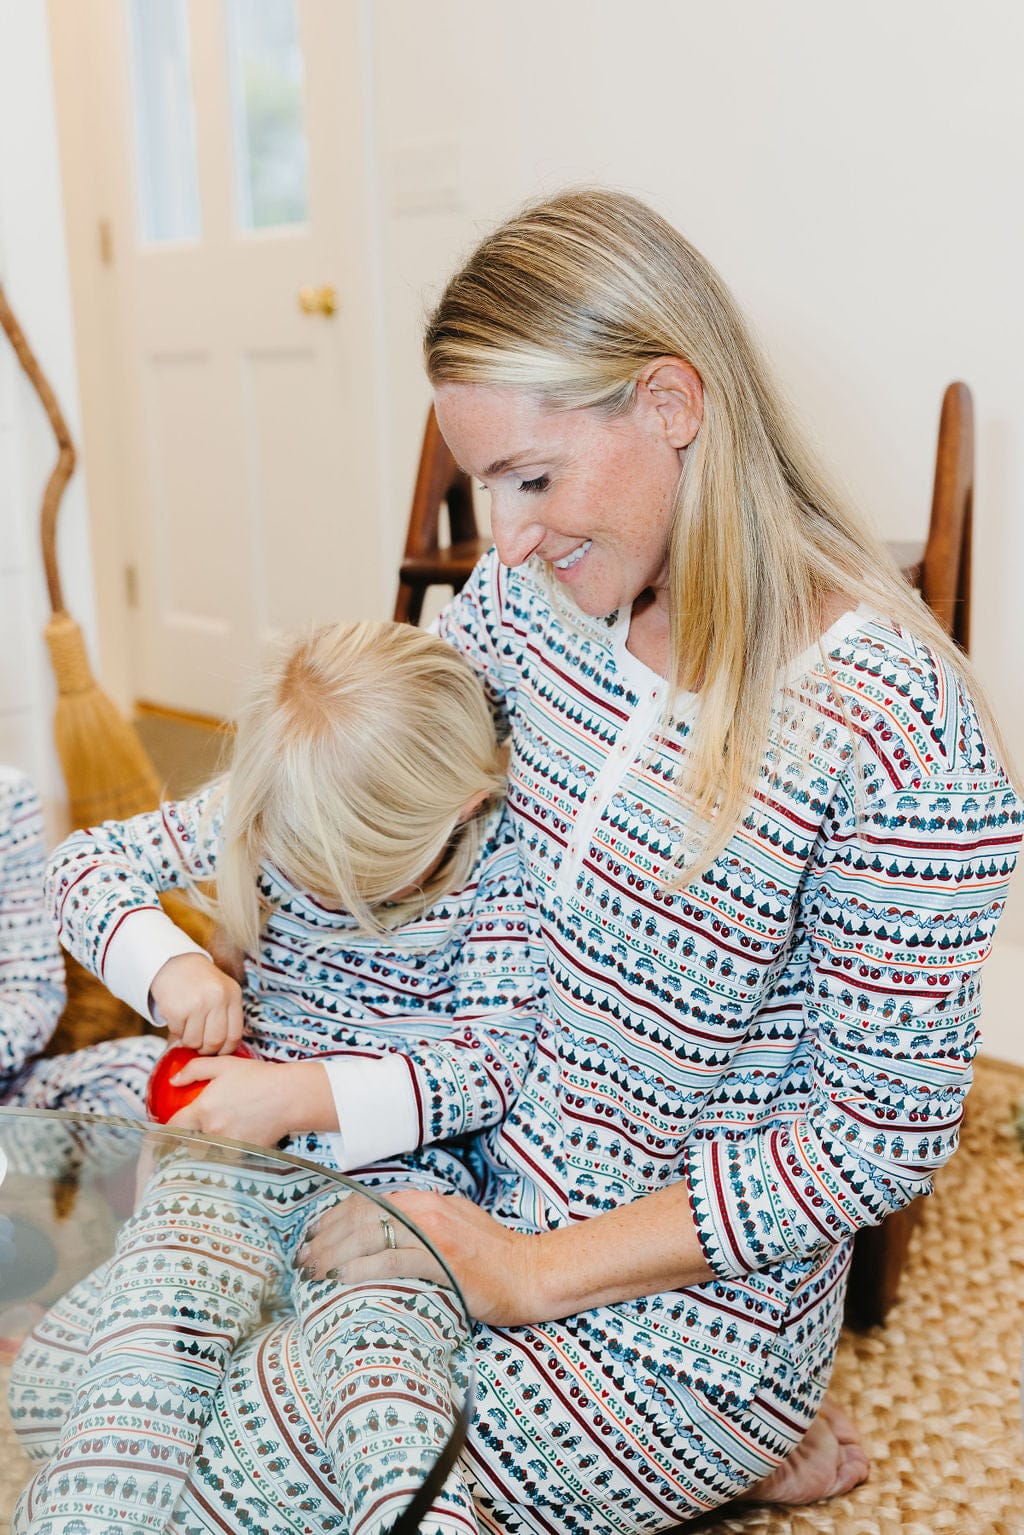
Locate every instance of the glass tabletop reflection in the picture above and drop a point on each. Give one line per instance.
(167, 1354)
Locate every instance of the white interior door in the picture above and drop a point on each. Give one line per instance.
(240, 242)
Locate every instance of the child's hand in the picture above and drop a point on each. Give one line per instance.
(245, 1100)
(201, 1006)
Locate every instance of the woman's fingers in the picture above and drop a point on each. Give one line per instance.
(203, 1068)
(355, 1229)
(395, 1263)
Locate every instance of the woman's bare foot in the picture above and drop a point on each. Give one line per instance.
(829, 1459)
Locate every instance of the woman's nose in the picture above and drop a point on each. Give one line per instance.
(516, 533)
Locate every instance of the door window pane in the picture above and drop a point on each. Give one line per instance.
(165, 135)
(266, 102)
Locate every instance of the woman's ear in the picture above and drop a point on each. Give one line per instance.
(673, 388)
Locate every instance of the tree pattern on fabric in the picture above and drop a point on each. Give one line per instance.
(790, 1037)
(31, 968)
(454, 992)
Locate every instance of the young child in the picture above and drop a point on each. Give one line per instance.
(365, 868)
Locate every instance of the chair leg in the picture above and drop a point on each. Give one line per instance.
(408, 603)
(879, 1254)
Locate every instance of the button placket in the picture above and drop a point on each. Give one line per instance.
(617, 766)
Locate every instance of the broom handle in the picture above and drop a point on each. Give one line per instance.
(63, 469)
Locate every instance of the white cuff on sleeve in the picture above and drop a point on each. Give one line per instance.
(376, 1108)
(143, 943)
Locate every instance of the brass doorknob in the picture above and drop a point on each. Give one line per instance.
(319, 300)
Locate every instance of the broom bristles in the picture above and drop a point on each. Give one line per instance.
(106, 768)
(109, 777)
(108, 774)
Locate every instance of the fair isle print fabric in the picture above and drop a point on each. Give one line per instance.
(109, 1078)
(454, 991)
(792, 1036)
(31, 968)
(198, 1381)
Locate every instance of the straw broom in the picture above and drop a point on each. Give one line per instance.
(107, 770)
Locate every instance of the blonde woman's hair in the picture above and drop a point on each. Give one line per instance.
(568, 301)
(353, 760)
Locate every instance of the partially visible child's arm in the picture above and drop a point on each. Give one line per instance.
(103, 886)
(31, 968)
(465, 1074)
(201, 1006)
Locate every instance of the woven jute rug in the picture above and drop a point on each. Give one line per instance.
(936, 1391)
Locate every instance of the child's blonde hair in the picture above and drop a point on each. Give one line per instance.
(354, 760)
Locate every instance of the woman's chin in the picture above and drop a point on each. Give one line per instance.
(590, 596)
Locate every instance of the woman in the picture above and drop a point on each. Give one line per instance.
(762, 808)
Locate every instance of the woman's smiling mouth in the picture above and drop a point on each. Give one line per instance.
(574, 558)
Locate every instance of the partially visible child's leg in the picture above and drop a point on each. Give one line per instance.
(195, 1269)
(108, 1078)
(262, 1464)
(390, 1363)
(48, 1366)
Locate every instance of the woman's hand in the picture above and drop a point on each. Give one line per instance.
(510, 1279)
(494, 1267)
(247, 1100)
(201, 1006)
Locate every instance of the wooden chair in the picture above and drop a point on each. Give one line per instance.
(427, 562)
(941, 569)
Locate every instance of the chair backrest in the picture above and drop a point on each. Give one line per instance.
(439, 482)
(945, 578)
(426, 561)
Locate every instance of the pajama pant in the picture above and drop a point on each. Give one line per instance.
(108, 1078)
(132, 1378)
(581, 1427)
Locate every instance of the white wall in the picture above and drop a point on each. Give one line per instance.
(34, 273)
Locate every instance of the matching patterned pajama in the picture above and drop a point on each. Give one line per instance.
(120, 1386)
(105, 1079)
(790, 1037)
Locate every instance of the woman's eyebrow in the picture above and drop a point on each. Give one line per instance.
(502, 465)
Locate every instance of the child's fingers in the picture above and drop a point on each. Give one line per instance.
(234, 1023)
(192, 1031)
(215, 1030)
